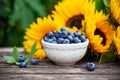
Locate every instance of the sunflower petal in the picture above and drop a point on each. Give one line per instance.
(36, 32)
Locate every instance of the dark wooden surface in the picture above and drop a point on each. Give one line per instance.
(46, 70)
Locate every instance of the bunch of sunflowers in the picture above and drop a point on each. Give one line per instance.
(102, 29)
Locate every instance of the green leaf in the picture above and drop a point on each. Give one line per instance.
(49, 4)
(106, 3)
(101, 6)
(33, 50)
(15, 53)
(9, 59)
(26, 20)
(1, 35)
(22, 15)
(10, 62)
(37, 6)
(14, 39)
(109, 56)
(17, 63)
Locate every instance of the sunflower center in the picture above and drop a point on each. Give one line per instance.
(75, 21)
(114, 21)
(98, 32)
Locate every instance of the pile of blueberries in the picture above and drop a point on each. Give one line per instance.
(64, 37)
(21, 60)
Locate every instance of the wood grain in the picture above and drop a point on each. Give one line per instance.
(57, 77)
(47, 70)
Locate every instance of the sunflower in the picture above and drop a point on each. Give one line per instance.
(36, 32)
(116, 40)
(100, 35)
(115, 10)
(73, 13)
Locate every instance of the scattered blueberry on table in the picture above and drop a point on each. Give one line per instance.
(21, 58)
(64, 37)
(23, 65)
(34, 61)
(90, 66)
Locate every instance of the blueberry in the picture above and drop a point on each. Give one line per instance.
(34, 61)
(90, 66)
(21, 58)
(22, 65)
(21, 55)
(46, 39)
(70, 38)
(66, 41)
(50, 40)
(64, 34)
(63, 29)
(77, 34)
(82, 37)
(71, 33)
(76, 40)
(60, 40)
(57, 34)
(50, 35)
(54, 42)
(54, 38)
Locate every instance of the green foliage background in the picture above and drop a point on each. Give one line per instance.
(17, 15)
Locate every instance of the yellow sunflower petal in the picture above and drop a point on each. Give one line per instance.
(101, 36)
(70, 13)
(116, 40)
(115, 9)
(40, 54)
(36, 32)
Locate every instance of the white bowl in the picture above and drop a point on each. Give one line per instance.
(65, 54)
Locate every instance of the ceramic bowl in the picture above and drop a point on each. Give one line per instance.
(65, 54)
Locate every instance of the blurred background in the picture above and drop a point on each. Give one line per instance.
(17, 15)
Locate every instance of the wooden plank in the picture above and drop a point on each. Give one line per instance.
(49, 64)
(62, 70)
(57, 77)
(9, 49)
(47, 70)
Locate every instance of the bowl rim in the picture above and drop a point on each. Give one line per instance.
(77, 45)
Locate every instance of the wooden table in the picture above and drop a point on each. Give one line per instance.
(46, 70)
